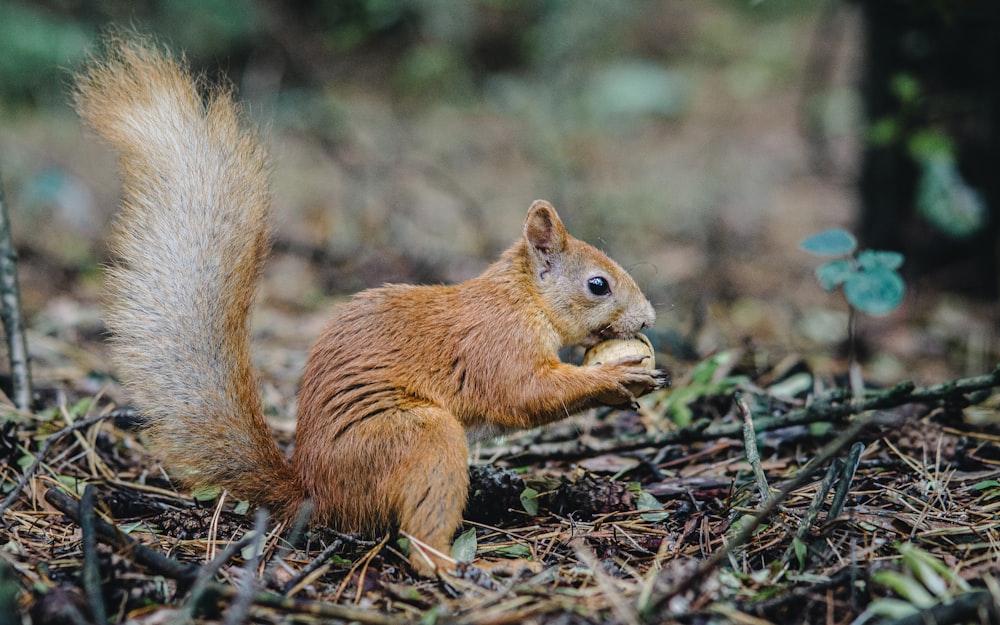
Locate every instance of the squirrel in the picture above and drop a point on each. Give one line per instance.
(398, 383)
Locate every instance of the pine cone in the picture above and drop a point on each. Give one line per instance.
(590, 495)
(493, 491)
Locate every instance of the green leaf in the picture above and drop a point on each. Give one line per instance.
(517, 550)
(529, 501)
(704, 371)
(800, 548)
(72, 483)
(430, 617)
(924, 572)
(681, 413)
(930, 145)
(877, 291)
(792, 386)
(986, 484)
(25, 461)
(921, 561)
(79, 410)
(834, 273)
(254, 548)
(464, 547)
(946, 201)
(833, 242)
(884, 132)
(647, 501)
(906, 587)
(128, 528)
(242, 508)
(206, 493)
(404, 545)
(820, 429)
(889, 608)
(340, 560)
(871, 259)
(905, 87)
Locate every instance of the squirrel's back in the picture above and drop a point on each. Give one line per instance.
(190, 244)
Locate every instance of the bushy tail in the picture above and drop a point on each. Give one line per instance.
(191, 242)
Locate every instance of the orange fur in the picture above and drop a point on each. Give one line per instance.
(401, 377)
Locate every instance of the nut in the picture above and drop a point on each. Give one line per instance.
(617, 349)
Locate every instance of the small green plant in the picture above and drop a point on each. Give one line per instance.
(943, 197)
(708, 378)
(921, 582)
(869, 278)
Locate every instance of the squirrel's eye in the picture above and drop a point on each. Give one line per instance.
(598, 285)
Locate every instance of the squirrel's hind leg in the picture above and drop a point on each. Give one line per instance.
(404, 466)
(429, 484)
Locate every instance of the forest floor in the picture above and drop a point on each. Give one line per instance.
(835, 509)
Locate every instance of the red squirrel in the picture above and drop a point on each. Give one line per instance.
(398, 382)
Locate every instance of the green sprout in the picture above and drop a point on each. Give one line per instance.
(869, 278)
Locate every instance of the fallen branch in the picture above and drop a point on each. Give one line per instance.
(750, 444)
(91, 574)
(110, 535)
(833, 407)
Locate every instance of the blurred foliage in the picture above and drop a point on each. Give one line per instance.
(434, 45)
(446, 114)
(943, 197)
(33, 45)
(927, 181)
(40, 41)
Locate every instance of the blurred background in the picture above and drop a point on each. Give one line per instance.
(696, 141)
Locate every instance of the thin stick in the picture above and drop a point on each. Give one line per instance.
(624, 610)
(10, 312)
(316, 563)
(846, 479)
(91, 567)
(212, 547)
(750, 445)
(204, 583)
(812, 512)
(248, 585)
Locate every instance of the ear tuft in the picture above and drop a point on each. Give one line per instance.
(544, 231)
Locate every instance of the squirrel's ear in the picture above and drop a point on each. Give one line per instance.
(544, 233)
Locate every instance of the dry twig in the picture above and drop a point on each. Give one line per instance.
(10, 311)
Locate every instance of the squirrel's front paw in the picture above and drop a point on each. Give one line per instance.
(632, 380)
(662, 377)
